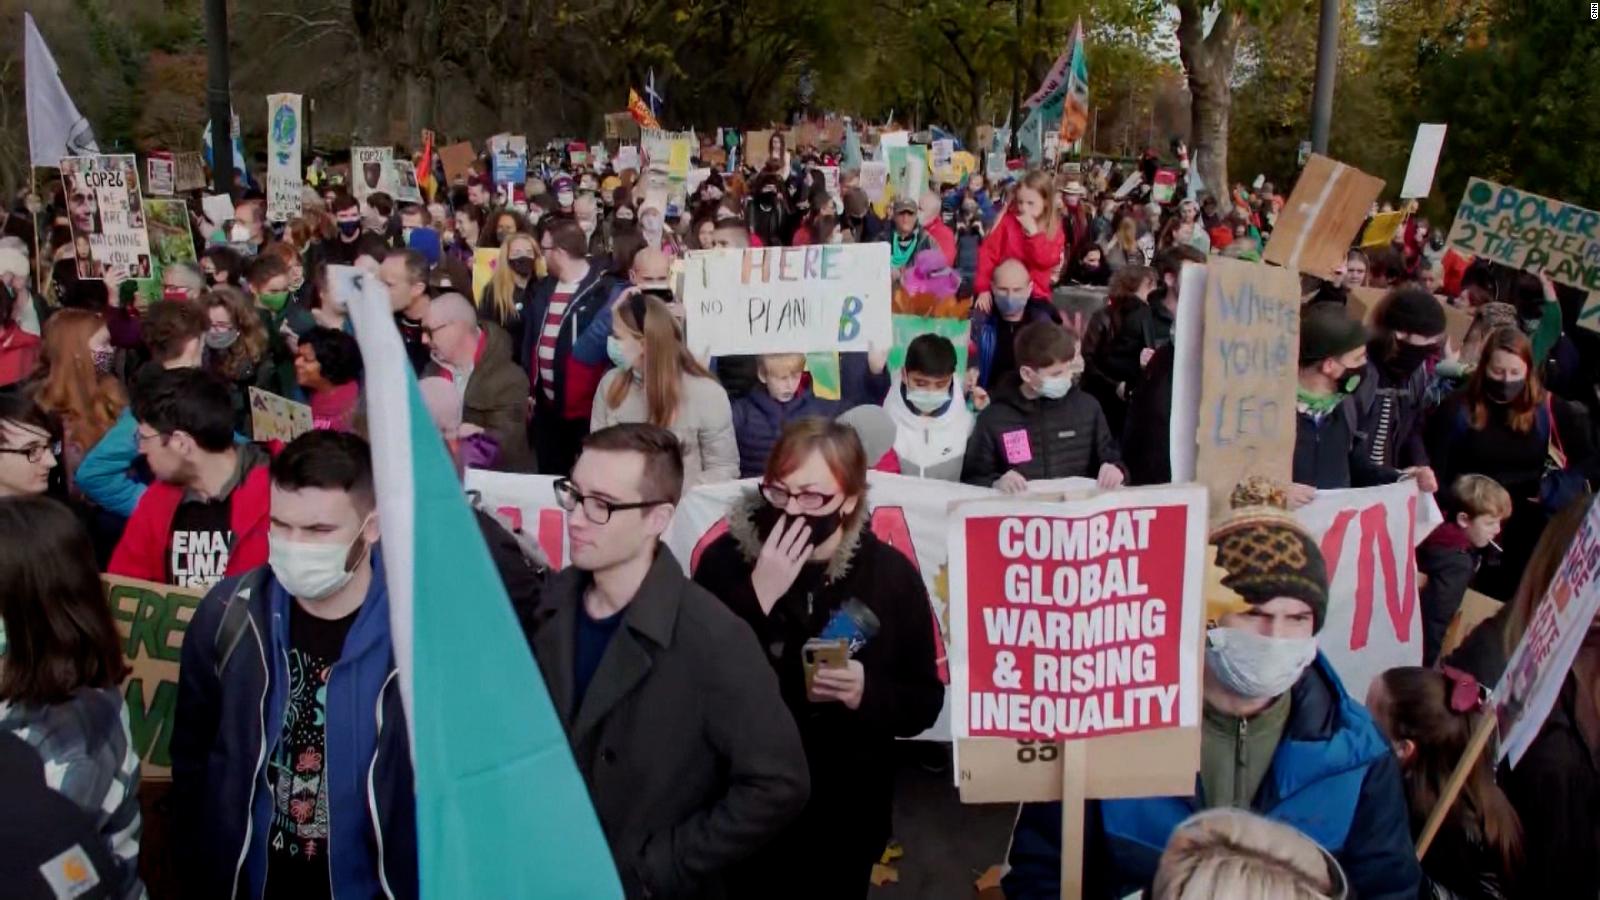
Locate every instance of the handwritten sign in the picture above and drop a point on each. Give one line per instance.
(1537, 234)
(1249, 351)
(373, 171)
(1556, 631)
(458, 160)
(1325, 210)
(104, 207)
(1077, 619)
(284, 179)
(151, 620)
(190, 171)
(788, 299)
(274, 418)
(875, 180)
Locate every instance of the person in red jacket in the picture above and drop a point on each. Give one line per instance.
(206, 514)
(929, 209)
(1028, 231)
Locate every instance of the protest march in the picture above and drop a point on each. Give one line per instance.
(853, 502)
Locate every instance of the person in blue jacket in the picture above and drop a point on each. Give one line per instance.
(1279, 736)
(784, 397)
(291, 774)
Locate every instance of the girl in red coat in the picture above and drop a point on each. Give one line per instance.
(1029, 231)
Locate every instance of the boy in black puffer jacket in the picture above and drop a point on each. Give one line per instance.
(1039, 424)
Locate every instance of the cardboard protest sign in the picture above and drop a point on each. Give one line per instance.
(277, 418)
(627, 158)
(1555, 632)
(1246, 359)
(620, 126)
(151, 620)
(1382, 229)
(788, 299)
(1165, 186)
(943, 150)
(372, 171)
(284, 179)
(508, 154)
(1076, 619)
(1323, 213)
(217, 207)
(696, 178)
(757, 148)
(1474, 610)
(527, 503)
(190, 171)
(104, 206)
(458, 160)
(1525, 231)
(484, 261)
(1424, 159)
(406, 189)
(160, 174)
(1363, 303)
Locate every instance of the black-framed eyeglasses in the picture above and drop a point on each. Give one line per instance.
(139, 440)
(34, 452)
(808, 501)
(596, 509)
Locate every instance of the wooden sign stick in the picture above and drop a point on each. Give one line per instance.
(1074, 782)
(1452, 788)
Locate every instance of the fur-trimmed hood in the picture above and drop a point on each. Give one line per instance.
(741, 524)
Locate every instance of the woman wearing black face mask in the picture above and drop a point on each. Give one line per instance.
(1394, 386)
(507, 290)
(798, 563)
(1505, 425)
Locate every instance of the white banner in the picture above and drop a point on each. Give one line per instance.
(788, 299)
(284, 178)
(528, 503)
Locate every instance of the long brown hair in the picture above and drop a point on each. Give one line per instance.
(1041, 183)
(237, 361)
(1541, 569)
(58, 627)
(82, 397)
(1419, 710)
(1521, 410)
(667, 361)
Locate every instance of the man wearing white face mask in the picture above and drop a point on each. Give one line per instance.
(291, 771)
(1280, 736)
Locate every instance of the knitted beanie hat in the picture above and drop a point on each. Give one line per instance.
(1267, 554)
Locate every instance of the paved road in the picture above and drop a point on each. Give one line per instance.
(947, 845)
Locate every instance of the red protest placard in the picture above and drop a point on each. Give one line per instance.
(1077, 619)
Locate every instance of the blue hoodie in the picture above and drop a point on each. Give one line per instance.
(226, 726)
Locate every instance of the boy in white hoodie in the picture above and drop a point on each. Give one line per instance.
(929, 410)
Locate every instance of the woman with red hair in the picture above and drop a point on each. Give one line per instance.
(1505, 425)
(845, 622)
(74, 382)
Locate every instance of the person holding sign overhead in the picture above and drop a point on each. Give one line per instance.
(60, 669)
(844, 620)
(1279, 734)
(657, 380)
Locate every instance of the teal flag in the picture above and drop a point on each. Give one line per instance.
(502, 810)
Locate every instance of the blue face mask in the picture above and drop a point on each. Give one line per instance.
(1010, 304)
(618, 357)
(1055, 388)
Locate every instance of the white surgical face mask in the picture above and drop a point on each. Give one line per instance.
(927, 401)
(1055, 388)
(1256, 666)
(311, 571)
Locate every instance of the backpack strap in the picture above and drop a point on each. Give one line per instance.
(236, 615)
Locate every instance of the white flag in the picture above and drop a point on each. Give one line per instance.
(55, 127)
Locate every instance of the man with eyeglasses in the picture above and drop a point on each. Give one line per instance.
(205, 516)
(475, 357)
(27, 449)
(691, 758)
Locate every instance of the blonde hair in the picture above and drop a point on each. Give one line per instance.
(1480, 495)
(1242, 856)
(501, 291)
(1041, 183)
(667, 361)
(795, 361)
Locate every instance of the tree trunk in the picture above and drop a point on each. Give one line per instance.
(372, 101)
(1208, 62)
(1209, 110)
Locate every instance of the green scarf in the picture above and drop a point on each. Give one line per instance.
(900, 256)
(1317, 404)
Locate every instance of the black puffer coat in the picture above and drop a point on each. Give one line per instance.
(1039, 438)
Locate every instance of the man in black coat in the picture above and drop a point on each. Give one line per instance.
(1333, 358)
(1038, 424)
(676, 722)
(1389, 401)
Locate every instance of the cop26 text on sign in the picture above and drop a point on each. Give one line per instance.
(788, 299)
(1078, 619)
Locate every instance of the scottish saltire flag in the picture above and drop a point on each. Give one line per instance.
(501, 809)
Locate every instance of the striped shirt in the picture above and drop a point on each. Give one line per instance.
(549, 336)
